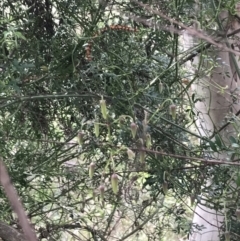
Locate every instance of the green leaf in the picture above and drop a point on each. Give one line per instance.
(213, 146)
(193, 97)
(235, 145)
(19, 35)
(218, 141)
(232, 139)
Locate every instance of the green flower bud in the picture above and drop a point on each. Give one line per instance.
(142, 156)
(103, 108)
(146, 114)
(96, 129)
(165, 187)
(140, 143)
(101, 190)
(238, 214)
(121, 120)
(131, 154)
(227, 236)
(192, 199)
(91, 169)
(44, 68)
(109, 132)
(185, 81)
(134, 129)
(80, 137)
(148, 141)
(114, 181)
(172, 109)
(144, 124)
(160, 87)
(93, 194)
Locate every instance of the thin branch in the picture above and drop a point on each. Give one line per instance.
(141, 225)
(94, 232)
(207, 46)
(213, 161)
(191, 31)
(224, 126)
(16, 204)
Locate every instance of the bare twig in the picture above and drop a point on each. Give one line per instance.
(216, 162)
(190, 31)
(75, 226)
(207, 46)
(16, 204)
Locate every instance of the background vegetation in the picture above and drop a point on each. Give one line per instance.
(59, 62)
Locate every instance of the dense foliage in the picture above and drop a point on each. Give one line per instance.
(62, 63)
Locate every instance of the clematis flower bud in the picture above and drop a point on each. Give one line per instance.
(160, 87)
(114, 181)
(140, 143)
(185, 81)
(148, 141)
(165, 187)
(146, 115)
(227, 236)
(80, 137)
(144, 125)
(101, 190)
(172, 109)
(192, 199)
(103, 108)
(109, 132)
(134, 129)
(142, 156)
(93, 195)
(131, 154)
(238, 214)
(91, 169)
(96, 129)
(121, 120)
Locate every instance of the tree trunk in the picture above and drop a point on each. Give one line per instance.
(217, 105)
